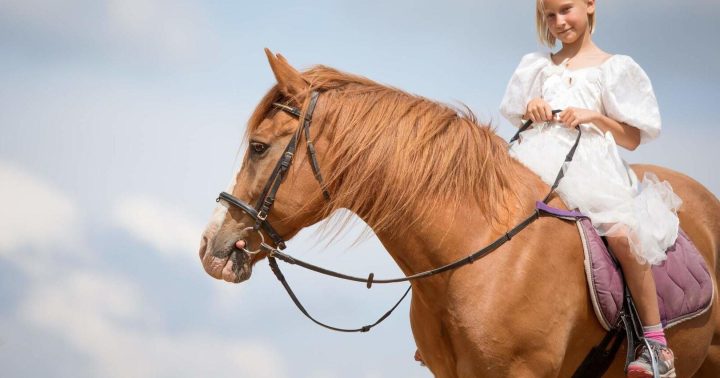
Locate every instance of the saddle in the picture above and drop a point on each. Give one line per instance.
(684, 285)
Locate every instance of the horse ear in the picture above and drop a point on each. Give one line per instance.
(290, 82)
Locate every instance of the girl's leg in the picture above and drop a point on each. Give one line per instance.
(639, 279)
(641, 283)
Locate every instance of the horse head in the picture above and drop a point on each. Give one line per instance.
(397, 161)
(297, 202)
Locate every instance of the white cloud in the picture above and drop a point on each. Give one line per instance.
(106, 318)
(164, 227)
(103, 315)
(37, 220)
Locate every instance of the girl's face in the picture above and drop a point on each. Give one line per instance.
(568, 20)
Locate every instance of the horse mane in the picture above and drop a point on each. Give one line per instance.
(396, 158)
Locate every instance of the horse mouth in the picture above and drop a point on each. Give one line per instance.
(229, 263)
(238, 266)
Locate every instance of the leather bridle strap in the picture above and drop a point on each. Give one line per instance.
(568, 158)
(370, 280)
(279, 243)
(305, 125)
(527, 124)
(276, 269)
(312, 154)
(267, 198)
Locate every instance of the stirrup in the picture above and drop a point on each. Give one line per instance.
(633, 328)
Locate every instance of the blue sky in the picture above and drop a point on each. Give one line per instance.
(121, 120)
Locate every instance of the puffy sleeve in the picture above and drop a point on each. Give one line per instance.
(525, 84)
(628, 97)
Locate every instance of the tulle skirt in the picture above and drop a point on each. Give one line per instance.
(600, 184)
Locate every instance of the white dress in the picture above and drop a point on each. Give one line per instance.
(598, 182)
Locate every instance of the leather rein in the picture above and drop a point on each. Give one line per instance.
(265, 202)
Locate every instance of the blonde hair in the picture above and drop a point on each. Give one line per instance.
(544, 31)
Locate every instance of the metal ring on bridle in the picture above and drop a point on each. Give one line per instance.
(262, 242)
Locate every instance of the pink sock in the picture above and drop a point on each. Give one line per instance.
(655, 333)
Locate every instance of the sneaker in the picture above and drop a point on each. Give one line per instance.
(642, 366)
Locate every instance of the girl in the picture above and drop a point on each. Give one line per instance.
(612, 99)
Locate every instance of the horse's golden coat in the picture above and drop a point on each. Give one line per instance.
(435, 185)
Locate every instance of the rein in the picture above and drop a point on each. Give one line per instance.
(260, 212)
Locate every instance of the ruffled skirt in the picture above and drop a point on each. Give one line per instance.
(599, 183)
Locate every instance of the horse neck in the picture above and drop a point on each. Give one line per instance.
(420, 230)
(456, 231)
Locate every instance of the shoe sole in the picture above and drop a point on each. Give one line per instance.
(642, 373)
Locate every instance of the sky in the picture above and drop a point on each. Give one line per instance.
(121, 121)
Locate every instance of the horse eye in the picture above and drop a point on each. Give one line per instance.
(258, 148)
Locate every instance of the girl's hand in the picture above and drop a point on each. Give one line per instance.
(571, 117)
(538, 111)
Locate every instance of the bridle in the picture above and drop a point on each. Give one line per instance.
(260, 212)
(266, 199)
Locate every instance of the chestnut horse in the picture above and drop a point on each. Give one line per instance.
(435, 185)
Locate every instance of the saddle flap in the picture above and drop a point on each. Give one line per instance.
(684, 285)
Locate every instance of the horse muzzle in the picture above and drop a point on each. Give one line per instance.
(221, 258)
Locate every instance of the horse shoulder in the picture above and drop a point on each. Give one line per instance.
(529, 300)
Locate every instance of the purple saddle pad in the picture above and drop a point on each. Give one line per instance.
(684, 285)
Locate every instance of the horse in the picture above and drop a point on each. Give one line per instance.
(434, 184)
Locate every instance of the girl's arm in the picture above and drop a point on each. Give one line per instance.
(625, 135)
